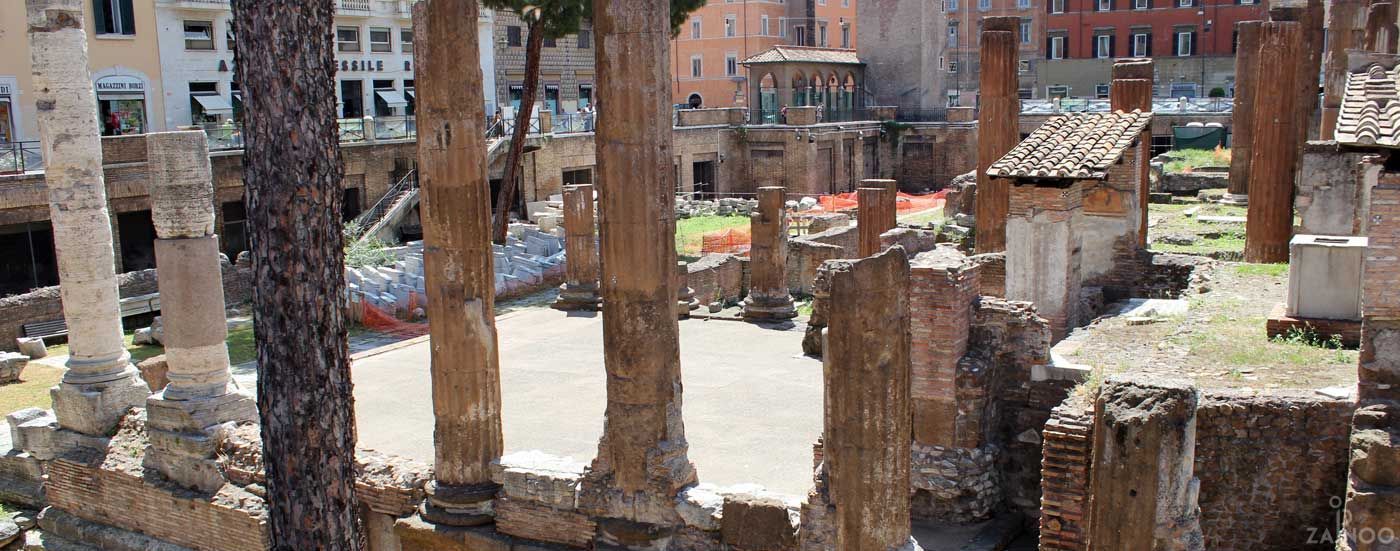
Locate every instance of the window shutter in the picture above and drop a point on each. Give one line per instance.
(99, 14)
(1113, 45)
(1193, 44)
(1176, 44)
(128, 18)
(1149, 44)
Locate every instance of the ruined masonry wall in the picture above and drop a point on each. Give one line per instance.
(716, 278)
(1067, 452)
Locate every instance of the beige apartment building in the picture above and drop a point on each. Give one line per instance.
(123, 59)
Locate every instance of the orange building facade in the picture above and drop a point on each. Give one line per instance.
(707, 53)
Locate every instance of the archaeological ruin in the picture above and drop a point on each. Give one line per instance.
(999, 330)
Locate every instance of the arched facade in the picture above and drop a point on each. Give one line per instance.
(792, 76)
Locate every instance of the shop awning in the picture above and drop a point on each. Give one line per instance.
(409, 93)
(392, 97)
(214, 105)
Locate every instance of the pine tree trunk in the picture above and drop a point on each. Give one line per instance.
(292, 175)
(506, 198)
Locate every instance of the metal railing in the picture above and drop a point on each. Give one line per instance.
(1168, 106)
(369, 218)
(935, 114)
(395, 128)
(20, 157)
(357, 7)
(573, 122)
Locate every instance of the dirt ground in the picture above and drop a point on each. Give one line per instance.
(1220, 341)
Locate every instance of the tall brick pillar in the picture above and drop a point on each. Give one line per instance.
(768, 287)
(1144, 489)
(1242, 116)
(1346, 29)
(1373, 478)
(100, 385)
(876, 214)
(580, 289)
(1131, 90)
(457, 263)
(1274, 153)
(864, 481)
(998, 125)
(185, 417)
(642, 457)
(1043, 251)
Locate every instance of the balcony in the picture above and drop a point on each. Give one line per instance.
(354, 8)
(215, 5)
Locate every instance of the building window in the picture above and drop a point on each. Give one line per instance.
(229, 38)
(799, 35)
(1057, 47)
(763, 26)
(1057, 6)
(950, 5)
(379, 40)
(513, 36)
(1142, 45)
(821, 35)
(730, 25)
(551, 99)
(941, 63)
(1142, 4)
(731, 64)
(1025, 31)
(199, 35)
(406, 40)
(695, 27)
(695, 66)
(1183, 90)
(953, 33)
(1185, 3)
(984, 5)
(585, 39)
(1103, 46)
(845, 36)
(347, 39)
(1025, 93)
(1023, 66)
(845, 3)
(517, 92)
(205, 103)
(952, 98)
(1023, 4)
(1101, 91)
(114, 17)
(1057, 91)
(953, 66)
(821, 2)
(1105, 5)
(1185, 43)
(585, 95)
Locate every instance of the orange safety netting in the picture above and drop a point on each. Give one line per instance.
(732, 241)
(904, 202)
(379, 321)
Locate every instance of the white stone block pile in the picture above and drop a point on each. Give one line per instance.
(729, 206)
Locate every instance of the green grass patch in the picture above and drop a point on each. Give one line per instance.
(1264, 270)
(1188, 160)
(32, 390)
(690, 232)
(241, 347)
(138, 351)
(923, 218)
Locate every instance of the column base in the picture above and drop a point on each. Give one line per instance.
(575, 298)
(686, 303)
(185, 434)
(614, 533)
(1234, 199)
(95, 408)
(460, 505)
(759, 307)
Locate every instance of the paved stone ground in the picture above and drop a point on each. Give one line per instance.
(752, 403)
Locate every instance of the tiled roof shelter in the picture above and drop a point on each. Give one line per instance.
(799, 76)
(1370, 113)
(804, 54)
(1079, 146)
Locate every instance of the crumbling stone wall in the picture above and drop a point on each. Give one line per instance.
(1272, 469)
(806, 254)
(716, 278)
(44, 304)
(1332, 189)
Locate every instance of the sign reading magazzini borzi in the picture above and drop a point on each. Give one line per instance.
(120, 84)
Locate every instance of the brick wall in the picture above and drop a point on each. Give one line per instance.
(1380, 294)
(1272, 469)
(1067, 452)
(564, 65)
(716, 278)
(943, 287)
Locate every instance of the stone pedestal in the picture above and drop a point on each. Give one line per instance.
(876, 214)
(685, 294)
(101, 384)
(1275, 150)
(1242, 115)
(642, 461)
(998, 125)
(1043, 251)
(863, 482)
(1144, 491)
(457, 259)
(580, 289)
(768, 288)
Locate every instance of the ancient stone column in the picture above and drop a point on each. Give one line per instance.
(642, 457)
(768, 287)
(998, 125)
(457, 262)
(1310, 15)
(1131, 90)
(1145, 493)
(867, 420)
(184, 419)
(1381, 32)
(1346, 28)
(876, 213)
(1274, 152)
(100, 384)
(580, 289)
(1242, 116)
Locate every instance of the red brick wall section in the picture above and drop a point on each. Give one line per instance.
(1066, 455)
(940, 304)
(1380, 296)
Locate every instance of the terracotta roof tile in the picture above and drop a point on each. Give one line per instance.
(1076, 145)
(805, 54)
(1370, 114)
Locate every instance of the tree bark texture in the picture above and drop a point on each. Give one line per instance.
(292, 176)
(506, 198)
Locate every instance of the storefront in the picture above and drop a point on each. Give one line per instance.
(7, 116)
(121, 105)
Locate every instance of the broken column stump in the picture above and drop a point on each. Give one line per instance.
(642, 461)
(580, 289)
(1144, 489)
(862, 492)
(769, 298)
(101, 384)
(998, 125)
(457, 264)
(187, 417)
(876, 213)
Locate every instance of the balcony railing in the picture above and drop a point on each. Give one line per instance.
(354, 7)
(20, 157)
(1163, 106)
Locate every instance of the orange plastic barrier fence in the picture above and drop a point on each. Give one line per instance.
(732, 241)
(377, 320)
(738, 240)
